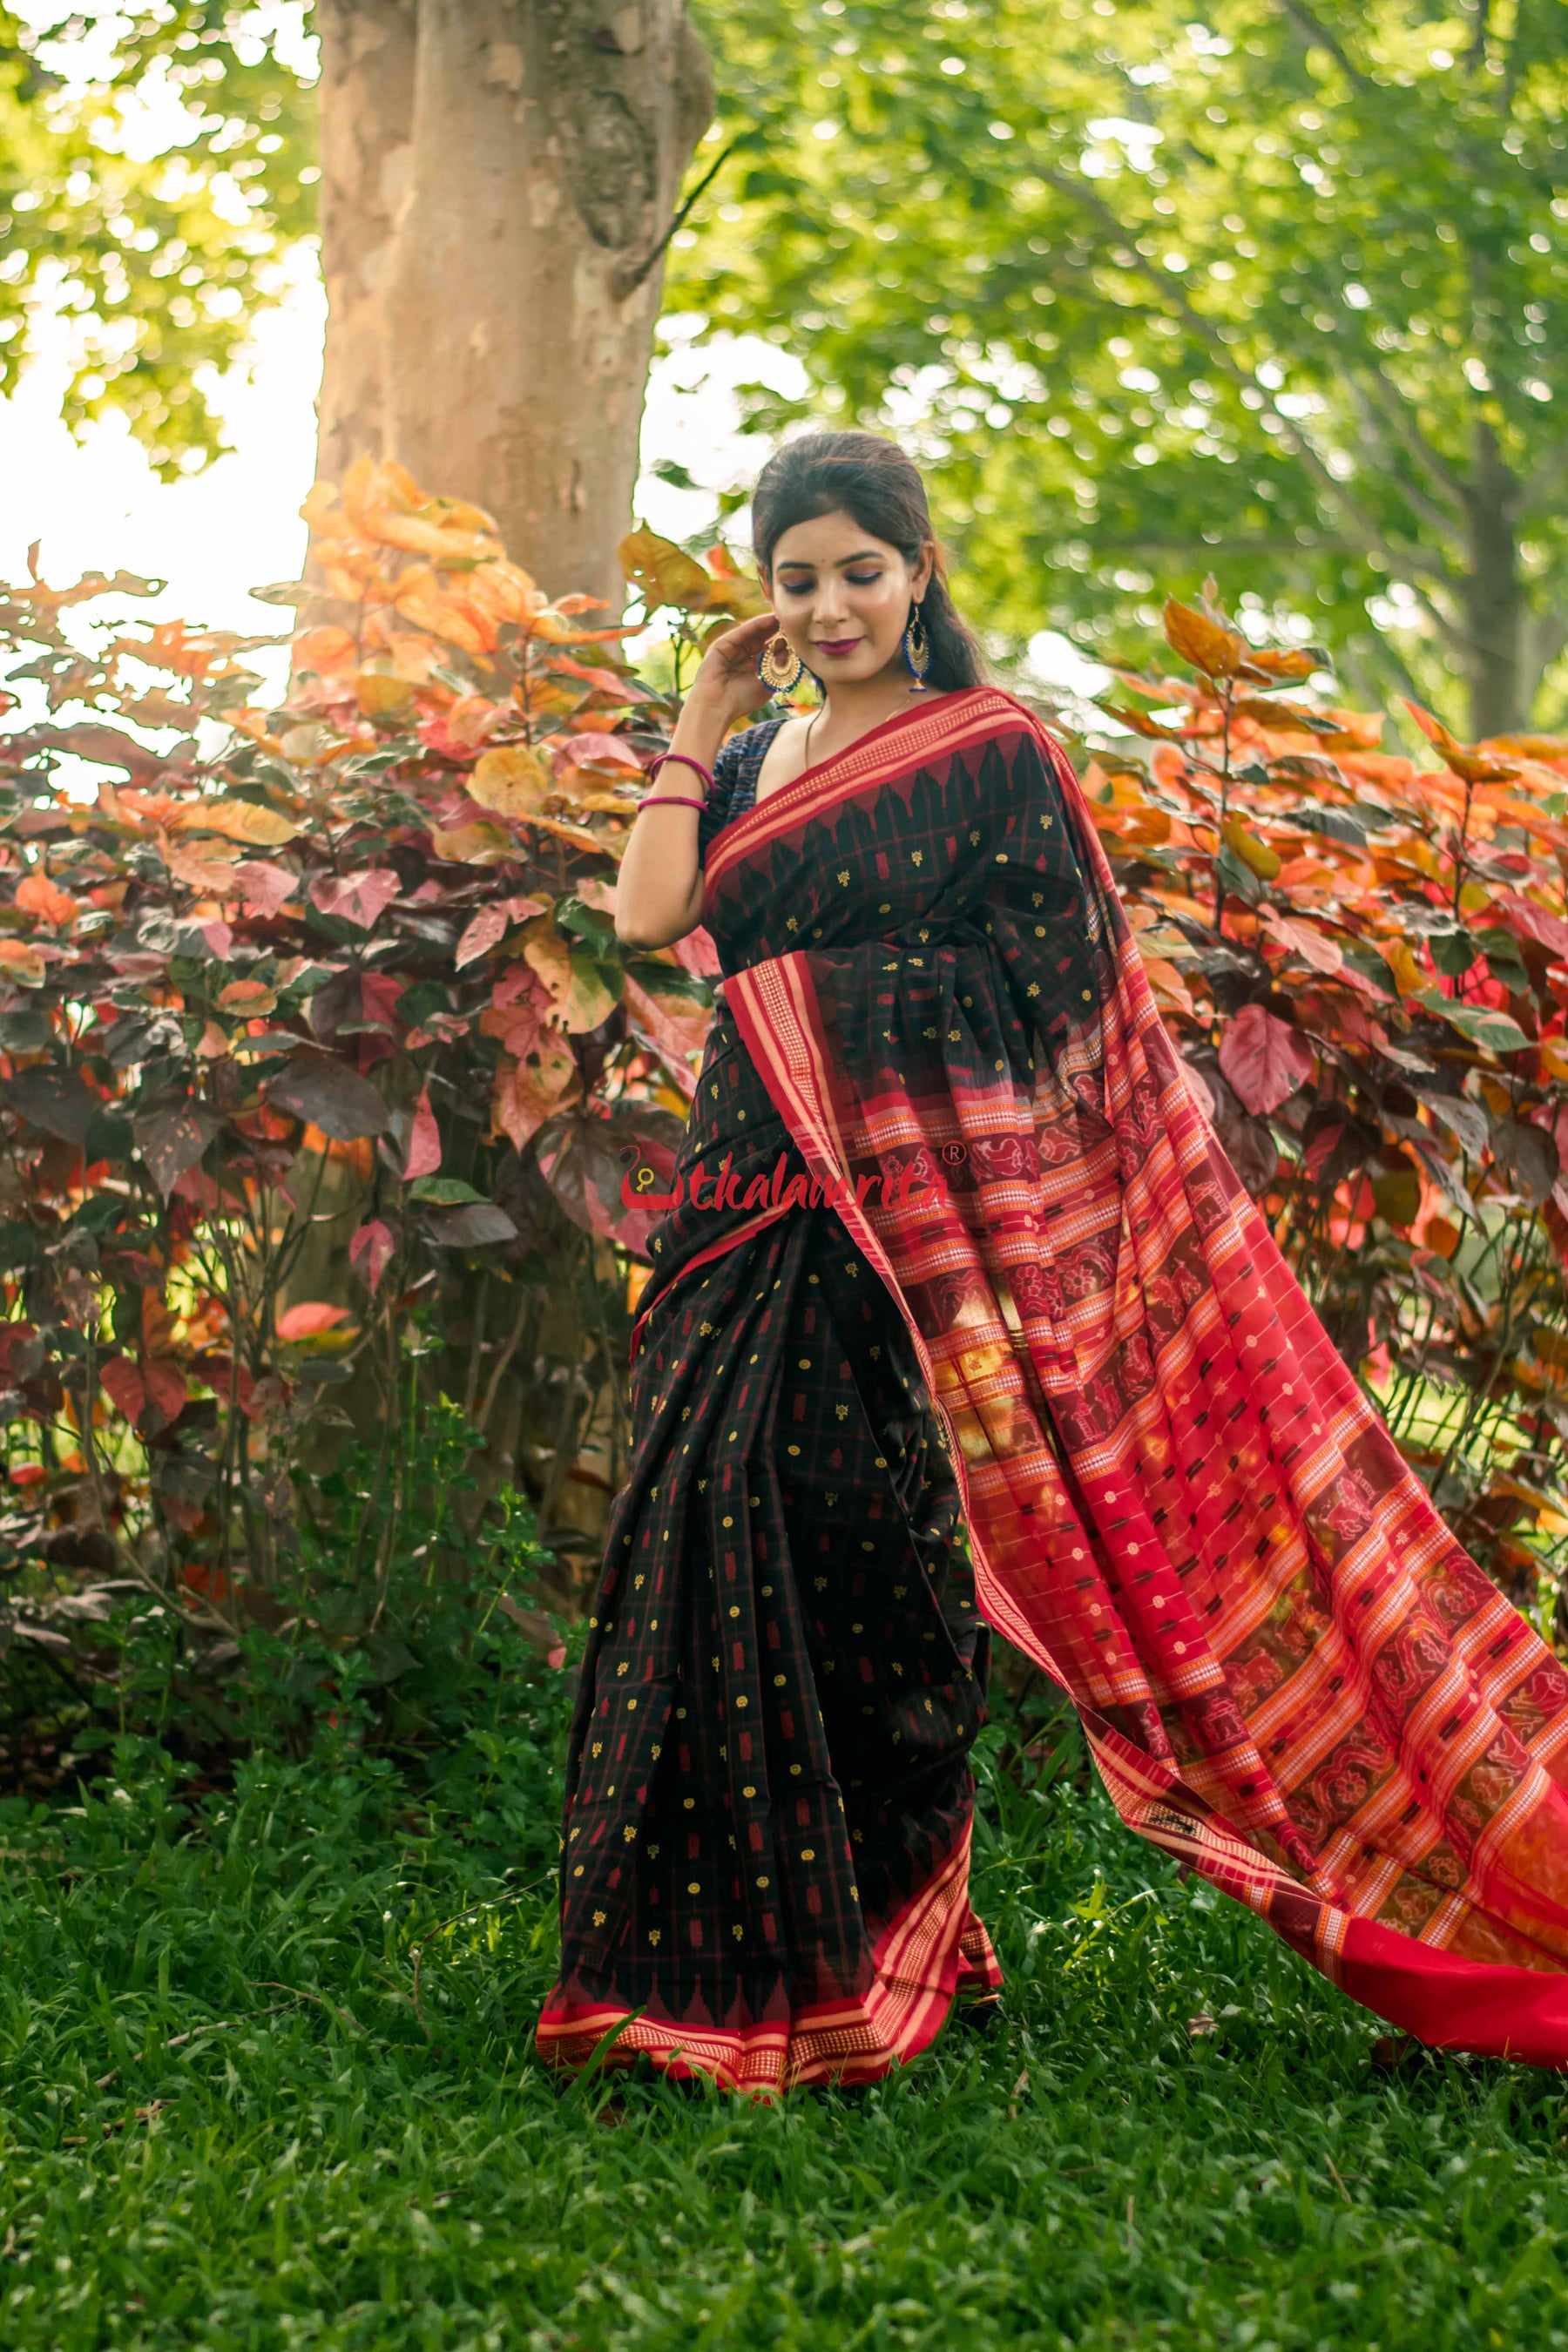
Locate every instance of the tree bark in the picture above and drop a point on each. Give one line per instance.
(1494, 603)
(489, 210)
(367, 104)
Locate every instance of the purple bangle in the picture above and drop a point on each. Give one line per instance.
(668, 799)
(685, 761)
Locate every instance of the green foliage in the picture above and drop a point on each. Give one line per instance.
(1283, 286)
(268, 2059)
(161, 265)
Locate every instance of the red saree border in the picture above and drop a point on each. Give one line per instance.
(966, 716)
(931, 1945)
(720, 1248)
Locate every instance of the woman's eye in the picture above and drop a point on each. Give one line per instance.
(862, 579)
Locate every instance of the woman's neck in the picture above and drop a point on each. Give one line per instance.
(852, 709)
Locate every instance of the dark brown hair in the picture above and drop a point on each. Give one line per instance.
(871, 480)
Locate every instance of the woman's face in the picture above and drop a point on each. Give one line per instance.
(843, 596)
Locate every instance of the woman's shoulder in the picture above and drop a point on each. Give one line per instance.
(745, 748)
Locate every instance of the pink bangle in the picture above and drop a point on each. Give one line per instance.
(685, 761)
(668, 799)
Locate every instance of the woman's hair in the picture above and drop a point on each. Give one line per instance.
(870, 480)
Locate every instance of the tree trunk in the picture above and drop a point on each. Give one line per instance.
(1494, 603)
(490, 242)
(366, 105)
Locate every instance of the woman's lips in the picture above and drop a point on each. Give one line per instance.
(837, 644)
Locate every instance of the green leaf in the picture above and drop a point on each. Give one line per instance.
(1478, 1023)
(1239, 880)
(443, 1191)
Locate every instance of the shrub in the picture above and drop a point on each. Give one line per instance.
(321, 1065)
(1366, 959)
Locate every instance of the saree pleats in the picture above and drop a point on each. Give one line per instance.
(765, 1860)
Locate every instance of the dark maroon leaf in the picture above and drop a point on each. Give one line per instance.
(1529, 1154)
(56, 1101)
(172, 1141)
(319, 1088)
(474, 1226)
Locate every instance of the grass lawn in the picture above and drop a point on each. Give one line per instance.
(227, 2122)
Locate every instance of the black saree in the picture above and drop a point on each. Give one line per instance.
(764, 1869)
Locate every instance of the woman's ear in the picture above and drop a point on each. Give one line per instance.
(925, 565)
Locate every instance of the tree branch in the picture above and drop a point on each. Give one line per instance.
(627, 281)
(1368, 534)
(1317, 34)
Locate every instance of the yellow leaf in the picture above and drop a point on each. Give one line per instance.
(547, 952)
(664, 574)
(473, 844)
(379, 694)
(1408, 976)
(263, 828)
(512, 780)
(1264, 862)
(588, 999)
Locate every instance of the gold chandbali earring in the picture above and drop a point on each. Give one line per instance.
(779, 667)
(916, 650)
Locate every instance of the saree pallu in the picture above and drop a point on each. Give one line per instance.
(1178, 1501)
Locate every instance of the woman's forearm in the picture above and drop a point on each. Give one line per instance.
(658, 897)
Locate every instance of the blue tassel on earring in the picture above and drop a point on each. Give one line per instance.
(916, 650)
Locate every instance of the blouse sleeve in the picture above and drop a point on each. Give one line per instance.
(716, 813)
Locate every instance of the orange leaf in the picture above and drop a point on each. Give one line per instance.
(1217, 652)
(43, 899)
(310, 1318)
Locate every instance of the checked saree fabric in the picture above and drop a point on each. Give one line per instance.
(1032, 1300)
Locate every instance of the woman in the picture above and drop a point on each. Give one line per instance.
(1033, 1301)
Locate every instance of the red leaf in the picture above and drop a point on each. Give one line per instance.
(489, 926)
(1529, 921)
(21, 1352)
(122, 1385)
(604, 679)
(167, 1390)
(150, 1394)
(266, 887)
(423, 1143)
(1263, 1059)
(698, 952)
(594, 750)
(358, 898)
(368, 1250)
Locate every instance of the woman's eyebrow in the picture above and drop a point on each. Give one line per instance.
(799, 563)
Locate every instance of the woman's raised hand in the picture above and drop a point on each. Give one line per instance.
(727, 681)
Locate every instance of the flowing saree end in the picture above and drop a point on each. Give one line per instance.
(932, 1952)
(1180, 1505)
(1449, 2003)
